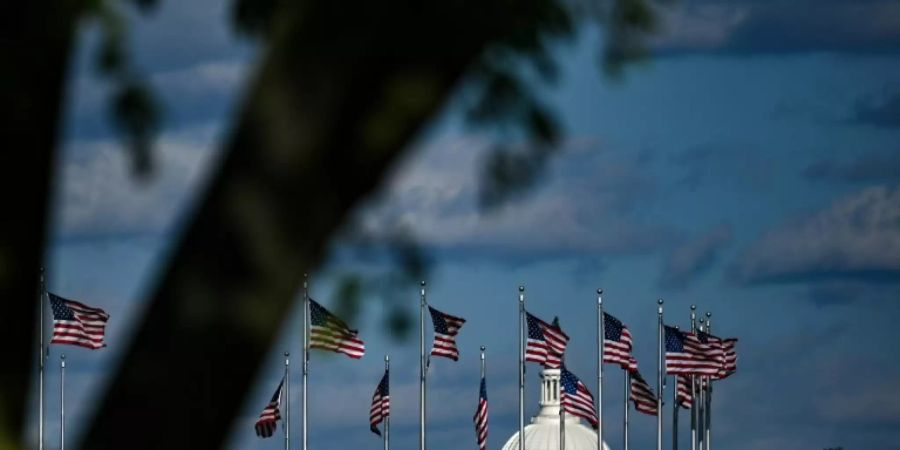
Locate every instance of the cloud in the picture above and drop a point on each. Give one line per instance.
(883, 112)
(871, 167)
(694, 257)
(856, 237)
(96, 193)
(781, 26)
(204, 92)
(584, 205)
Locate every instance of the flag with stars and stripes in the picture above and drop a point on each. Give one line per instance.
(642, 395)
(446, 327)
(729, 363)
(576, 399)
(546, 342)
(684, 391)
(328, 332)
(617, 343)
(481, 417)
(686, 354)
(381, 403)
(270, 415)
(75, 323)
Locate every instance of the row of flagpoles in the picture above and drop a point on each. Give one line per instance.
(695, 359)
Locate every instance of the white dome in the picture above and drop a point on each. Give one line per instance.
(543, 432)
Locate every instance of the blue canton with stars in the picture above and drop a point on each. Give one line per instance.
(439, 321)
(569, 381)
(60, 310)
(612, 328)
(674, 340)
(534, 327)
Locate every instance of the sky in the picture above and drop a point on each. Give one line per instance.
(749, 167)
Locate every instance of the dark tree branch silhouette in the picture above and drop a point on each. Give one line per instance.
(341, 90)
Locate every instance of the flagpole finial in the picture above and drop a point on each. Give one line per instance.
(422, 283)
(708, 314)
(483, 348)
(599, 291)
(521, 288)
(693, 307)
(659, 302)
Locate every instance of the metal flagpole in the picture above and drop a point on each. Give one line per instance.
(62, 402)
(521, 367)
(659, 376)
(41, 356)
(287, 402)
(422, 368)
(562, 423)
(387, 418)
(627, 407)
(601, 334)
(675, 414)
(701, 401)
(305, 369)
(709, 388)
(693, 387)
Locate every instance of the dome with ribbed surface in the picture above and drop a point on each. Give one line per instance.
(543, 431)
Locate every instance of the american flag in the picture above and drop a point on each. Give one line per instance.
(545, 342)
(270, 415)
(75, 323)
(617, 343)
(684, 392)
(576, 399)
(328, 332)
(446, 327)
(381, 403)
(729, 365)
(722, 350)
(481, 417)
(686, 354)
(642, 394)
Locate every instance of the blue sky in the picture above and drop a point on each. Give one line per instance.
(751, 167)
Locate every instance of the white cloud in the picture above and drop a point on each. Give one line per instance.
(97, 192)
(700, 26)
(582, 204)
(695, 256)
(857, 236)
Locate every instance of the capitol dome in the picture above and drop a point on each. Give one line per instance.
(543, 432)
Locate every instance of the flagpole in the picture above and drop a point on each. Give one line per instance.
(387, 418)
(659, 376)
(562, 424)
(62, 402)
(305, 366)
(675, 413)
(287, 402)
(521, 367)
(422, 368)
(482, 361)
(709, 394)
(601, 334)
(625, 413)
(701, 402)
(41, 362)
(693, 387)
